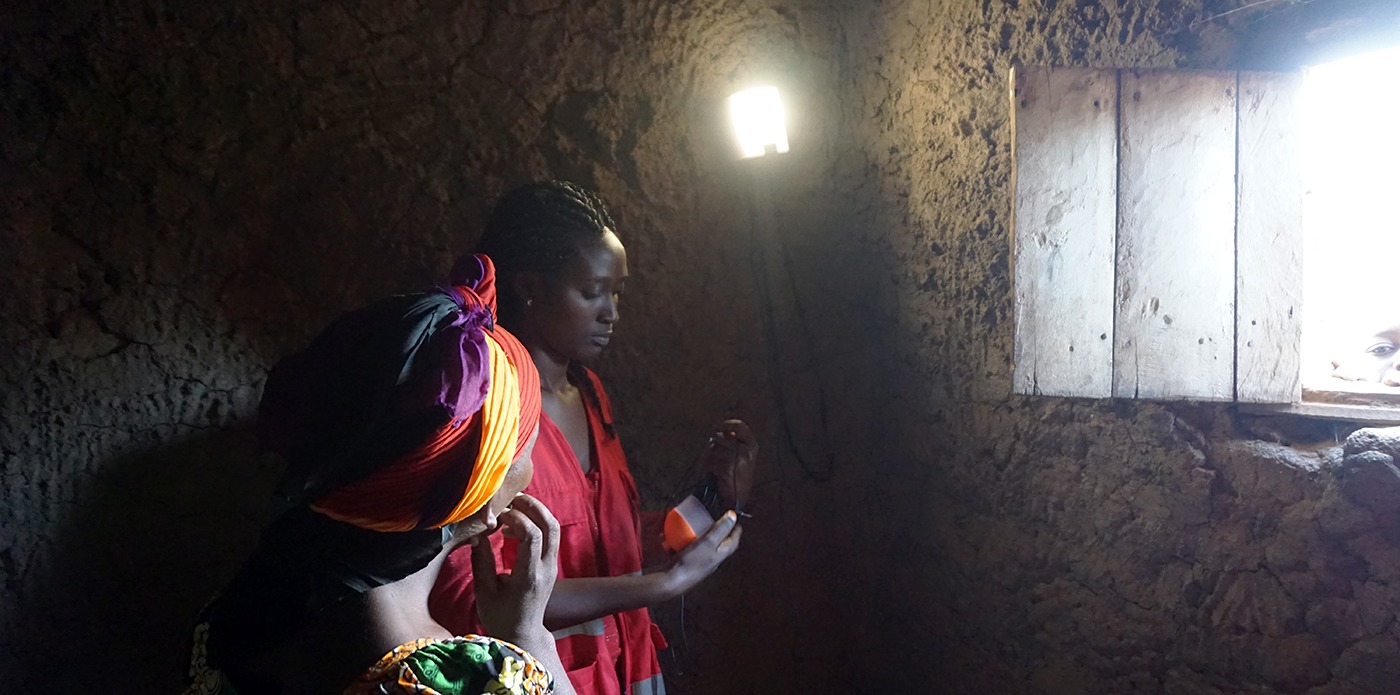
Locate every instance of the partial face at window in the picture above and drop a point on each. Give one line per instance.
(571, 314)
(1377, 359)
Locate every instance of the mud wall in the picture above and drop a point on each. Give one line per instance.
(190, 192)
(1058, 546)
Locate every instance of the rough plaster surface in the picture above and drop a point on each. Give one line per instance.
(1066, 546)
(191, 190)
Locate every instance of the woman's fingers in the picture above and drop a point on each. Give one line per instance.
(730, 543)
(483, 564)
(733, 432)
(537, 556)
(724, 534)
(735, 439)
(739, 431)
(515, 524)
(701, 558)
(540, 516)
(731, 458)
(512, 602)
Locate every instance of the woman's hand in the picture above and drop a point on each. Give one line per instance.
(701, 558)
(731, 457)
(511, 605)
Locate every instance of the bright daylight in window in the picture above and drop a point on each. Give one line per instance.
(1351, 226)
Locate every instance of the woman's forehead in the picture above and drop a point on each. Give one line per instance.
(599, 259)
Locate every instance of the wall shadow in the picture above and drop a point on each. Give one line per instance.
(151, 539)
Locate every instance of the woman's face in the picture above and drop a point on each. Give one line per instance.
(484, 521)
(571, 315)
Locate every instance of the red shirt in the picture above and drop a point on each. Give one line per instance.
(600, 536)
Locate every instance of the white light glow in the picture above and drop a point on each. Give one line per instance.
(758, 119)
(1351, 170)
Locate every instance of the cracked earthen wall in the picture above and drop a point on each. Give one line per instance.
(191, 191)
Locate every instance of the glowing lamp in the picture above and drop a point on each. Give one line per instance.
(758, 121)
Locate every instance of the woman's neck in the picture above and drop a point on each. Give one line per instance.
(554, 371)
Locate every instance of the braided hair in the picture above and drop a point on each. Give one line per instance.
(538, 228)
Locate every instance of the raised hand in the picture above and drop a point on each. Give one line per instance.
(511, 605)
(731, 456)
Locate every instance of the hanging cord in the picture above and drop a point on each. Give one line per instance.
(706, 491)
(675, 651)
(762, 231)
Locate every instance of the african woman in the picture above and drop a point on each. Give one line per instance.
(563, 269)
(407, 428)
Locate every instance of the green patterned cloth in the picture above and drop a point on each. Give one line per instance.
(468, 665)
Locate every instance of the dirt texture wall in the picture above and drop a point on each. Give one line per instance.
(192, 190)
(1039, 545)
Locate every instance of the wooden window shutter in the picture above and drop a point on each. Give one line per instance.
(1157, 234)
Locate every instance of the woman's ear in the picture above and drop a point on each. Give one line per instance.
(529, 287)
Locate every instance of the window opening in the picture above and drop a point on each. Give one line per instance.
(1351, 229)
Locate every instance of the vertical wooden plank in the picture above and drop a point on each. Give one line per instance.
(1064, 146)
(1176, 236)
(1269, 236)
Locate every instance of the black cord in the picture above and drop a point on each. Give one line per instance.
(759, 262)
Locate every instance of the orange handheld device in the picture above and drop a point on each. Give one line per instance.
(684, 523)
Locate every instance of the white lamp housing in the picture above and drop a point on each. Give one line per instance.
(758, 121)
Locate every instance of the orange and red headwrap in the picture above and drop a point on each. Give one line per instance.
(408, 413)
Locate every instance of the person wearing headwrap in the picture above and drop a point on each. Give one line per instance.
(562, 269)
(406, 427)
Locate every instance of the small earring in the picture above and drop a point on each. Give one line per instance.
(529, 302)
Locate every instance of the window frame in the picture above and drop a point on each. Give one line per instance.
(1116, 173)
